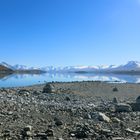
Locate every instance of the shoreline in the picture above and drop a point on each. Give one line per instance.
(70, 111)
(94, 88)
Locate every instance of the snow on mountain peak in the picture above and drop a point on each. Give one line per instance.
(6, 65)
(131, 65)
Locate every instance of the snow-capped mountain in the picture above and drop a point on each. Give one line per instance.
(20, 67)
(130, 66)
(70, 68)
(6, 65)
(23, 67)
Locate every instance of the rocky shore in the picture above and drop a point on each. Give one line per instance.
(71, 111)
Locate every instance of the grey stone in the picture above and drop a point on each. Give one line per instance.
(7, 133)
(24, 92)
(58, 122)
(67, 98)
(87, 116)
(115, 101)
(122, 107)
(128, 130)
(103, 117)
(135, 106)
(49, 88)
(81, 134)
(115, 89)
(60, 139)
(138, 100)
(118, 138)
(49, 133)
(28, 128)
(42, 136)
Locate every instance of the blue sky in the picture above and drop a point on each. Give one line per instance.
(69, 32)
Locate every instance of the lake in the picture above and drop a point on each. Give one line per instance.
(17, 80)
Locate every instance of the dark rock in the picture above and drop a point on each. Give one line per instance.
(36, 93)
(102, 137)
(135, 106)
(48, 88)
(3, 90)
(43, 136)
(115, 101)
(122, 107)
(6, 133)
(49, 133)
(87, 116)
(81, 134)
(26, 132)
(138, 100)
(28, 128)
(115, 89)
(58, 122)
(24, 92)
(67, 98)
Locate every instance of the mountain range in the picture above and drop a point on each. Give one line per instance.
(131, 66)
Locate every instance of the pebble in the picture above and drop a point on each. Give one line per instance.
(49, 133)
(28, 128)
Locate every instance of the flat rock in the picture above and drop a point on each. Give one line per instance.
(122, 107)
(118, 138)
(103, 117)
(132, 132)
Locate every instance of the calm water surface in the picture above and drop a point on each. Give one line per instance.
(16, 80)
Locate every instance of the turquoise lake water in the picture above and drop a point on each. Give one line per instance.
(17, 80)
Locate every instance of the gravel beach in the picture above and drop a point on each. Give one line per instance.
(70, 111)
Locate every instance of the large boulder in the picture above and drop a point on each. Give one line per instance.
(80, 132)
(135, 106)
(138, 100)
(122, 107)
(115, 101)
(115, 89)
(49, 88)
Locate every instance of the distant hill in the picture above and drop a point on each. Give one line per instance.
(8, 69)
(131, 67)
(4, 69)
(33, 71)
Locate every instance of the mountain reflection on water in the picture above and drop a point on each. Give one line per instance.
(15, 80)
